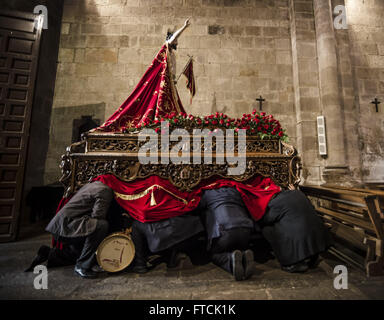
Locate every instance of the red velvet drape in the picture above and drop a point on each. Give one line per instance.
(154, 96)
(154, 198)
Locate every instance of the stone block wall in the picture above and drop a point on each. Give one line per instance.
(242, 49)
(285, 50)
(61, 133)
(366, 34)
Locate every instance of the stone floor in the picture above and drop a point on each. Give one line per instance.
(186, 282)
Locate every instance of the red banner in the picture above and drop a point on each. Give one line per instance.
(188, 72)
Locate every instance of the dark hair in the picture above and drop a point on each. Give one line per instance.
(169, 35)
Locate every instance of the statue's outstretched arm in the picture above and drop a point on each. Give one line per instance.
(178, 32)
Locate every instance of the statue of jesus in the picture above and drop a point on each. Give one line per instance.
(172, 43)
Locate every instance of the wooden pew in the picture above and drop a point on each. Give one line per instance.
(356, 219)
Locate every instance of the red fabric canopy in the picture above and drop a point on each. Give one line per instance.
(154, 198)
(154, 96)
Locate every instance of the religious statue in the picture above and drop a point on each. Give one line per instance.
(172, 45)
(155, 95)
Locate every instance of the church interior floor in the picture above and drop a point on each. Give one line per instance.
(184, 282)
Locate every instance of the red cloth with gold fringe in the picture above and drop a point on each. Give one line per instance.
(153, 198)
(154, 96)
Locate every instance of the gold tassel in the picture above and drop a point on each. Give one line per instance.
(153, 200)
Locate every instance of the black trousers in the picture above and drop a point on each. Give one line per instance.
(83, 249)
(230, 240)
(142, 251)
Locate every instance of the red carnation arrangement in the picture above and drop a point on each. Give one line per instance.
(257, 124)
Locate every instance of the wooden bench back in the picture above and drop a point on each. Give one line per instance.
(358, 208)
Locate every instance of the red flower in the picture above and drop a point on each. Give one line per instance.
(157, 130)
(214, 122)
(281, 133)
(221, 121)
(266, 127)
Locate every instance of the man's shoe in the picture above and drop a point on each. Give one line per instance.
(248, 260)
(237, 265)
(299, 267)
(96, 268)
(85, 273)
(139, 269)
(41, 256)
(313, 261)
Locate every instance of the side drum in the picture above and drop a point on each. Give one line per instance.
(116, 252)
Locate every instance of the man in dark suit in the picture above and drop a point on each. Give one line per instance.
(229, 228)
(294, 230)
(82, 225)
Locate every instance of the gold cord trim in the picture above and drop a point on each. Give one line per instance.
(130, 197)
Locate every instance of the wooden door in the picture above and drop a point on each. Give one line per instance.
(19, 49)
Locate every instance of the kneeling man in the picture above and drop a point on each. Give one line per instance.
(82, 225)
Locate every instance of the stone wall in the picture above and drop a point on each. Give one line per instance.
(286, 50)
(366, 34)
(242, 49)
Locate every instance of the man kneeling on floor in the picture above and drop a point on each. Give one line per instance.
(82, 225)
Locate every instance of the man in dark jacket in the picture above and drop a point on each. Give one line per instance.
(229, 227)
(294, 230)
(82, 224)
(166, 237)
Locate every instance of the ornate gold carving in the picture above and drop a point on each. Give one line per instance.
(117, 155)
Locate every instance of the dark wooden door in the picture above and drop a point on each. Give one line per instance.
(19, 49)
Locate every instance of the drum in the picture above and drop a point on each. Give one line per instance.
(115, 252)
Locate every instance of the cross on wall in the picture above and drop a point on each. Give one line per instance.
(376, 102)
(261, 100)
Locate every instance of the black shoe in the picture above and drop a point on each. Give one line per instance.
(85, 273)
(171, 259)
(42, 256)
(175, 260)
(248, 260)
(299, 267)
(313, 261)
(237, 265)
(140, 269)
(96, 268)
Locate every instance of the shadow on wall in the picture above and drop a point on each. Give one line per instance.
(63, 132)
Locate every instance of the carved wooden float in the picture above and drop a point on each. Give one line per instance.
(117, 154)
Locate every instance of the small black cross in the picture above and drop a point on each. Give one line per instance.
(376, 103)
(261, 100)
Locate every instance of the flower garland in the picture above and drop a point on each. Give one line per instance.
(257, 124)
